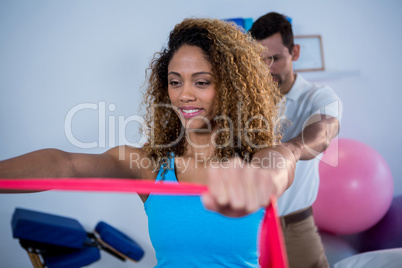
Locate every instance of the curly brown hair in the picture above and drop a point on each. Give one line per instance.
(248, 99)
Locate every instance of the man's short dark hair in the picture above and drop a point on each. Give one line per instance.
(273, 23)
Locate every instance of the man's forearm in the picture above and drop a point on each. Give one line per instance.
(314, 139)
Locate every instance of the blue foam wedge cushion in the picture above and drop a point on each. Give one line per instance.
(80, 258)
(119, 241)
(47, 228)
(237, 21)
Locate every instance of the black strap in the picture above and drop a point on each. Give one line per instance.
(297, 217)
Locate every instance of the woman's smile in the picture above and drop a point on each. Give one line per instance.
(190, 111)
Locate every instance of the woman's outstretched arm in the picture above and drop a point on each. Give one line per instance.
(53, 163)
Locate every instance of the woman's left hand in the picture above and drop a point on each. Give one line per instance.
(237, 188)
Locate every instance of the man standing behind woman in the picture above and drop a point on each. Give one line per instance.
(313, 113)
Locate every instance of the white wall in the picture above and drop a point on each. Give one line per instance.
(55, 55)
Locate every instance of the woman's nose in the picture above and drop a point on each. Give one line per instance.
(187, 94)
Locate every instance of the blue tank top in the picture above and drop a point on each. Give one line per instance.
(185, 234)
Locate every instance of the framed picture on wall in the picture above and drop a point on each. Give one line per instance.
(311, 54)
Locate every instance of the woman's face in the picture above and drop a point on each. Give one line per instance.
(191, 88)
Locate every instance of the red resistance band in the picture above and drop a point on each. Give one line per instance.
(272, 249)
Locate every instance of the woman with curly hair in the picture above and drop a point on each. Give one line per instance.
(212, 112)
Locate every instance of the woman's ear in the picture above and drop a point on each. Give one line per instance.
(295, 52)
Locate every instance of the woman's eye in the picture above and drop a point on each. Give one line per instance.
(174, 83)
(203, 83)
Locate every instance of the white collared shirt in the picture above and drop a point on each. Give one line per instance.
(302, 101)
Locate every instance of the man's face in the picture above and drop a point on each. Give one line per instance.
(280, 60)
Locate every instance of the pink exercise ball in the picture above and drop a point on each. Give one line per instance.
(356, 188)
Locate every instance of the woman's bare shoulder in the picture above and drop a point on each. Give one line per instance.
(133, 160)
(125, 152)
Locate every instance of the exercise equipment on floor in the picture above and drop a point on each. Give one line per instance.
(356, 188)
(55, 241)
(387, 233)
